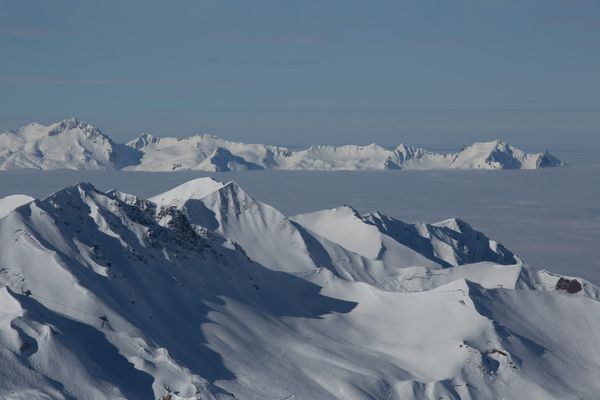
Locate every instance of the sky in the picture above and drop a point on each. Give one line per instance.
(437, 74)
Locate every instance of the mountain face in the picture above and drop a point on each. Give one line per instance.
(203, 152)
(71, 144)
(203, 292)
(448, 243)
(499, 155)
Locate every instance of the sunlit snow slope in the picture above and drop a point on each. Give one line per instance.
(203, 292)
(69, 144)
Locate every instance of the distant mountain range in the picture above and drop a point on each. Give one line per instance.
(203, 292)
(75, 145)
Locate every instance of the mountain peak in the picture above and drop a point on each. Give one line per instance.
(499, 142)
(194, 189)
(346, 209)
(72, 124)
(490, 144)
(405, 148)
(235, 194)
(207, 136)
(143, 140)
(83, 188)
(456, 224)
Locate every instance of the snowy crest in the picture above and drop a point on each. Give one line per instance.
(72, 144)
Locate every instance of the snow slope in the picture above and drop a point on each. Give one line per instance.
(72, 144)
(69, 144)
(203, 152)
(448, 243)
(9, 203)
(109, 296)
(191, 190)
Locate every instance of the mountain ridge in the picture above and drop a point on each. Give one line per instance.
(72, 144)
(104, 295)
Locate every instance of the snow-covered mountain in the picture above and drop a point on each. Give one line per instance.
(211, 153)
(203, 292)
(499, 155)
(71, 144)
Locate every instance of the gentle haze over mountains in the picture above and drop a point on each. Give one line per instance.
(299, 199)
(433, 74)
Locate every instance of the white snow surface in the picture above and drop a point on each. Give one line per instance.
(207, 293)
(191, 190)
(72, 144)
(69, 144)
(213, 154)
(9, 203)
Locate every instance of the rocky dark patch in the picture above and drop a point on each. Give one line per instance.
(568, 285)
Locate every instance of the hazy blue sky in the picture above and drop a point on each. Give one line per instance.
(433, 73)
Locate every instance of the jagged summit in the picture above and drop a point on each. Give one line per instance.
(36, 129)
(143, 140)
(73, 144)
(72, 123)
(207, 136)
(69, 144)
